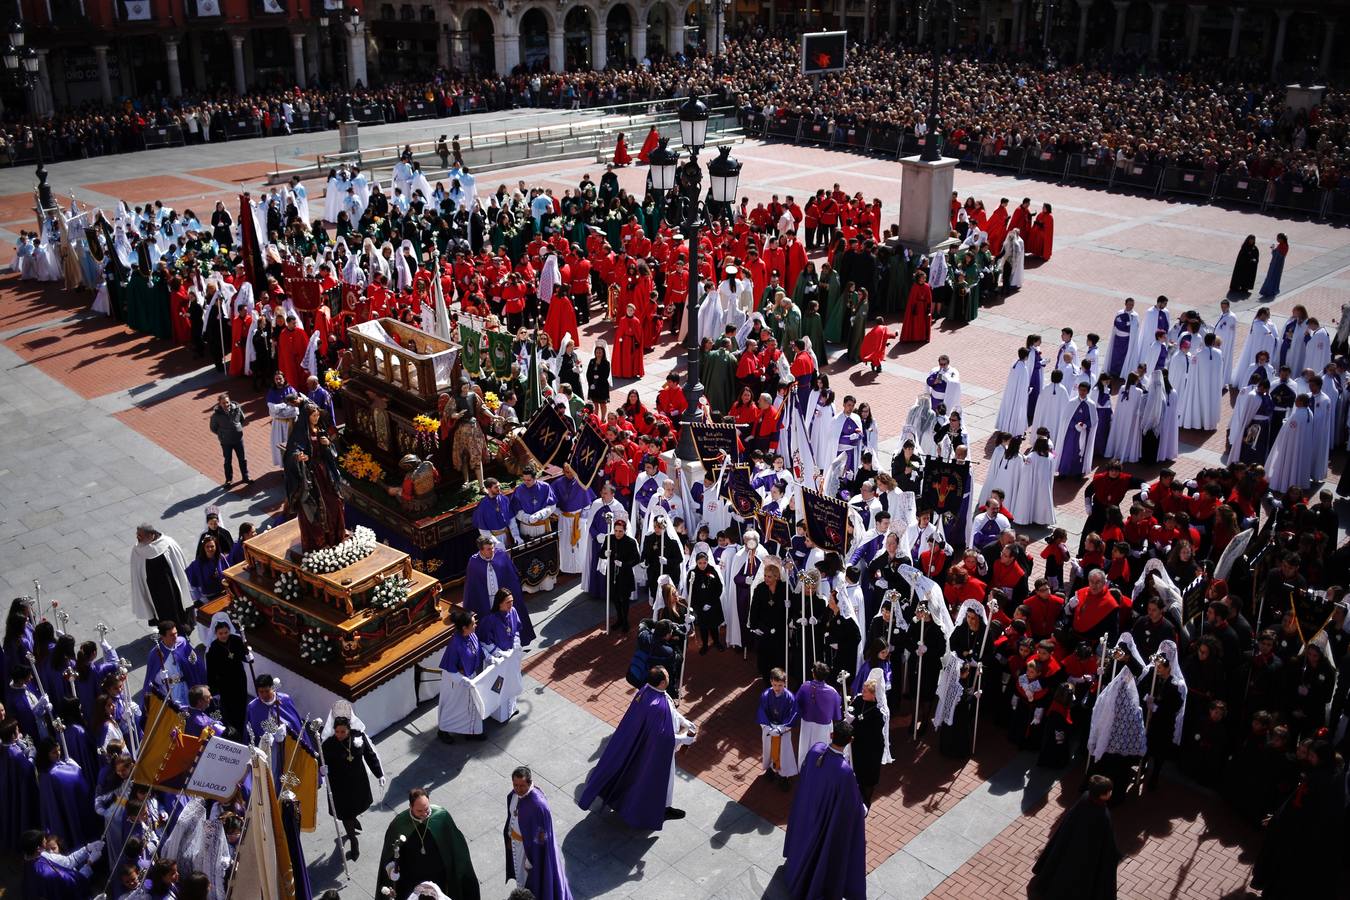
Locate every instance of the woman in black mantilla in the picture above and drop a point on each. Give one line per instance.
(347, 751)
(312, 481)
(226, 658)
(1244, 268)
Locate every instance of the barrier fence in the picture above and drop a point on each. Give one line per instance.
(1126, 175)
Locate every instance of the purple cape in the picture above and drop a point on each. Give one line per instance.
(776, 710)
(545, 878)
(192, 666)
(44, 878)
(634, 769)
(18, 795)
(825, 845)
(476, 598)
(500, 629)
(463, 655)
(66, 805)
(290, 820)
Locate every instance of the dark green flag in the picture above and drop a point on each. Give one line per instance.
(470, 342)
(499, 352)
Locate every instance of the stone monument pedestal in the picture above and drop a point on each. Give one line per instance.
(1303, 97)
(925, 203)
(349, 139)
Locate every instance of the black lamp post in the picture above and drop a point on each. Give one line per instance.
(930, 152)
(21, 66)
(685, 208)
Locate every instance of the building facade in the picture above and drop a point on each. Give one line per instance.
(98, 51)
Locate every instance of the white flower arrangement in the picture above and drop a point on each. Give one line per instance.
(390, 593)
(351, 551)
(287, 587)
(316, 646)
(245, 612)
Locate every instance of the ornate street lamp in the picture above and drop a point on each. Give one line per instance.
(686, 209)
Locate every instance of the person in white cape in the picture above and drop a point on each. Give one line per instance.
(1260, 337)
(747, 564)
(1290, 463)
(159, 584)
(1013, 259)
(1204, 387)
(1012, 410)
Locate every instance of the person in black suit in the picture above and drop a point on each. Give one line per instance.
(621, 557)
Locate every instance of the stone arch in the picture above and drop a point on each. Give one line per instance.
(534, 26)
(579, 24)
(619, 21)
(473, 45)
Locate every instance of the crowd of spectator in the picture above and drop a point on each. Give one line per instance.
(1219, 118)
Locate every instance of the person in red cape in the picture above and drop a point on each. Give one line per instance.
(291, 347)
(997, 228)
(628, 345)
(323, 324)
(1093, 606)
(648, 145)
(621, 156)
(670, 401)
(239, 326)
(561, 318)
(179, 318)
(1021, 219)
(795, 254)
(874, 344)
(1041, 237)
(918, 324)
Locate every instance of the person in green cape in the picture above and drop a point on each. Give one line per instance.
(855, 305)
(789, 317)
(971, 270)
(807, 287)
(814, 328)
(421, 844)
(960, 305)
(833, 309)
(718, 370)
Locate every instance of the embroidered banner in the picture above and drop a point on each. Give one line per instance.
(588, 454)
(712, 440)
(826, 520)
(545, 434)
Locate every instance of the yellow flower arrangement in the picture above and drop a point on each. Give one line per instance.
(426, 424)
(360, 464)
(492, 401)
(332, 380)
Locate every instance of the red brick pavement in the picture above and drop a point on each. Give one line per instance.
(150, 188)
(1177, 842)
(722, 694)
(28, 303)
(233, 174)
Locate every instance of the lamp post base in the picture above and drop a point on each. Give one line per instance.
(925, 203)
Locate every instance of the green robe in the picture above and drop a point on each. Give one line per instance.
(834, 311)
(814, 328)
(972, 273)
(857, 324)
(458, 879)
(791, 324)
(805, 282)
(718, 370)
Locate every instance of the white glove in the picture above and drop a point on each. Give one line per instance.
(161, 677)
(323, 771)
(249, 658)
(1036, 716)
(391, 870)
(383, 781)
(814, 621)
(87, 871)
(42, 706)
(921, 650)
(881, 583)
(95, 848)
(756, 631)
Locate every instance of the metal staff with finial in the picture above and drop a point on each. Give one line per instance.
(1101, 670)
(921, 615)
(979, 678)
(1148, 712)
(609, 561)
(53, 720)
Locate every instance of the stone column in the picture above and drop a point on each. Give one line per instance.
(356, 50)
(1236, 33)
(42, 91)
(198, 60)
(1328, 43)
(677, 36)
(240, 83)
(510, 49)
(1280, 30)
(1155, 33)
(1118, 42)
(1193, 30)
(460, 57)
(599, 47)
(1084, 7)
(922, 25)
(867, 21)
(773, 14)
(638, 38)
(171, 65)
(298, 51)
(1021, 26)
(893, 17)
(557, 50)
(312, 46)
(104, 82)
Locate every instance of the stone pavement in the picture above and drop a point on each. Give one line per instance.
(101, 428)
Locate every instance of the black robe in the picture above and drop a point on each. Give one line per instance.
(1244, 269)
(1079, 861)
(868, 743)
(347, 774)
(767, 615)
(664, 556)
(227, 677)
(1298, 858)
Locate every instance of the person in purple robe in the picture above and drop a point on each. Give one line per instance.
(197, 716)
(1079, 439)
(501, 627)
(236, 554)
(819, 706)
(635, 775)
(320, 397)
(22, 702)
(825, 845)
(572, 501)
(18, 641)
(1102, 397)
(533, 858)
(173, 665)
(81, 749)
(18, 787)
(1122, 328)
(492, 516)
(65, 799)
(269, 708)
(488, 570)
(51, 875)
(1036, 364)
(90, 670)
(205, 574)
(532, 504)
(776, 715)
